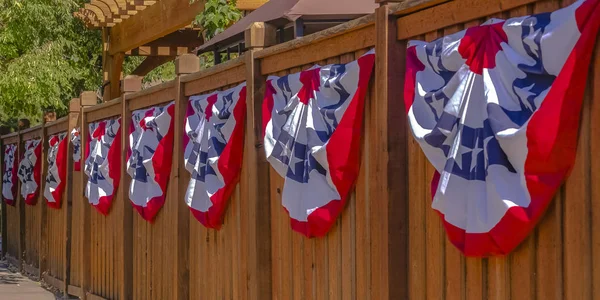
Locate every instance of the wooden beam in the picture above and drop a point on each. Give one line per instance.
(159, 51)
(177, 43)
(249, 4)
(156, 21)
(74, 110)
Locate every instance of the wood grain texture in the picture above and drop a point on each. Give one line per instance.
(387, 244)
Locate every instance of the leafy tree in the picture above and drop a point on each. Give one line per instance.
(46, 57)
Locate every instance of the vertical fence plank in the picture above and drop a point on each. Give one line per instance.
(74, 109)
(595, 172)
(549, 252)
(86, 238)
(435, 235)
(21, 204)
(577, 244)
(44, 243)
(185, 64)
(125, 250)
(255, 166)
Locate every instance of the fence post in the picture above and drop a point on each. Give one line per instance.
(184, 64)
(23, 124)
(389, 248)
(255, 169)
(4, 243)
(87, 98)
(43, 242)
(74, 112)
(130, 84)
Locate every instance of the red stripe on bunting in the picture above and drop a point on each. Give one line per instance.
(230, 165)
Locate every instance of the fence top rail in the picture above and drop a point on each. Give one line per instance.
(32, 129)
(412, 6)
(230, 64)
(102, 111)
(6, 136)
(100, 106)
(57, 126)
(150, 90)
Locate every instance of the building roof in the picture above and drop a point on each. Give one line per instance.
(281, 12)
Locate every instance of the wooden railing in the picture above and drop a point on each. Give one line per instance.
(387, 244)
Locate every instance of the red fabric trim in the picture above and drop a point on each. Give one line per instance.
(267, 107)
(413, 66)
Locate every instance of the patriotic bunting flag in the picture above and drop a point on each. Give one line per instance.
(213, 143)
(76, 142)
(57, 169)
(496, 110)
(9, 176)
(103, 163)
(150, 157)
(312, 127)
(30, 171)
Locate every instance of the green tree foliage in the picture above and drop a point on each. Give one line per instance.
(163, 73)
(217, 16)
(46, 57)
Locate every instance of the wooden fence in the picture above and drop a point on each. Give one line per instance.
(388, 242)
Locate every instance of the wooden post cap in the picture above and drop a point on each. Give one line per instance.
(260, 35)
(131, 84)
(187, 64)
(49, 116)
(23, 124)
(75, 105)
(88, 98)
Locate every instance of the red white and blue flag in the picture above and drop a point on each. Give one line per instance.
(9, 176)
(312, 128)
(76, 143)
(213, 142)
(103, 163)
(57, 169)
(496, 109)
(30, 169)
(150, 157)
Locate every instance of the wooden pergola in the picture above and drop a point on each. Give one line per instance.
(160, 30)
